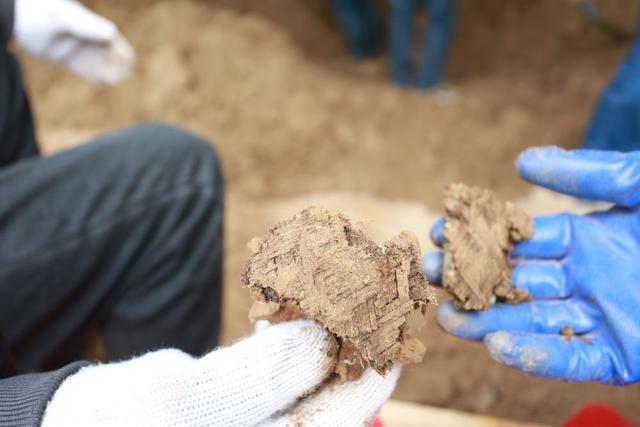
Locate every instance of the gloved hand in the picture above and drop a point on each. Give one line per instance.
(581, 271)
(256, 381)
(65, 31)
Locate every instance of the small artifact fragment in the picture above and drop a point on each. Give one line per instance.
(317, 265)
(567, 332)
(479, 234)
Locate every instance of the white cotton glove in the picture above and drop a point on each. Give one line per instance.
(65, 31)
(256, 381)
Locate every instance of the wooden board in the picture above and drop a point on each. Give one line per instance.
(403, 414)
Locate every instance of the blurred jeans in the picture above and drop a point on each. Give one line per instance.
(615, 124)
(437, 39)
(122, 236)
(360, 26)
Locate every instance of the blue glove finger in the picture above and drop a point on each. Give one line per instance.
(432, 267)
(537, 316)
(437, 233)
(588, 174)
(551, 239)
(551, 356)
(543, 279)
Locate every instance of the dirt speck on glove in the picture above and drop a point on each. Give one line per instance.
(317, 265)
(567, 332)
(480, 233)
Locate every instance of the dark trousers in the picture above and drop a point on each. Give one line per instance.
(122, 236)
(430, 68)
(360, 25)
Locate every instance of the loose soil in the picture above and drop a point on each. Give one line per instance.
(297, 123)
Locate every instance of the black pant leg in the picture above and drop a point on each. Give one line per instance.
(123, 235)
(17, 136)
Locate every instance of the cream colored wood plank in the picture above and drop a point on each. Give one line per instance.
(403, 414)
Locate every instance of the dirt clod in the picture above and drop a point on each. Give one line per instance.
(480, 233)
(317, 265)
(567, 332)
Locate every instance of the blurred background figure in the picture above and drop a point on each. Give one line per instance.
(615, 125)
(427, 72)
(360, 24)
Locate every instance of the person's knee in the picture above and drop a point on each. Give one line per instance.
(170, 152)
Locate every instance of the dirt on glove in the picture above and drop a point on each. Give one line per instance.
(479, 234)
(318, 265)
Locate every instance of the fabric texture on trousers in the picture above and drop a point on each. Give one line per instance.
(122, 236)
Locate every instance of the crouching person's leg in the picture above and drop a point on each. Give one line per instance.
(122, 236)
(17, 136)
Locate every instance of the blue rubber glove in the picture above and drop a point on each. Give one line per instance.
(581, 271)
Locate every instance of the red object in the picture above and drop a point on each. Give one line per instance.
(377, 422)
(597, 415)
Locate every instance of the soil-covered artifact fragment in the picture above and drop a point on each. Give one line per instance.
(317, 265)
(479, 234)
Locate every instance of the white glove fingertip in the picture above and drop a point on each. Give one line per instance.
(261, 325)
(119, 61)
(347, 404)
(86, 25)
(105, 65)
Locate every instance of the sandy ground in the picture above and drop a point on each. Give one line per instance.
(297, 123)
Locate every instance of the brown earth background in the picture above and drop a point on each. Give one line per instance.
(297, 122)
